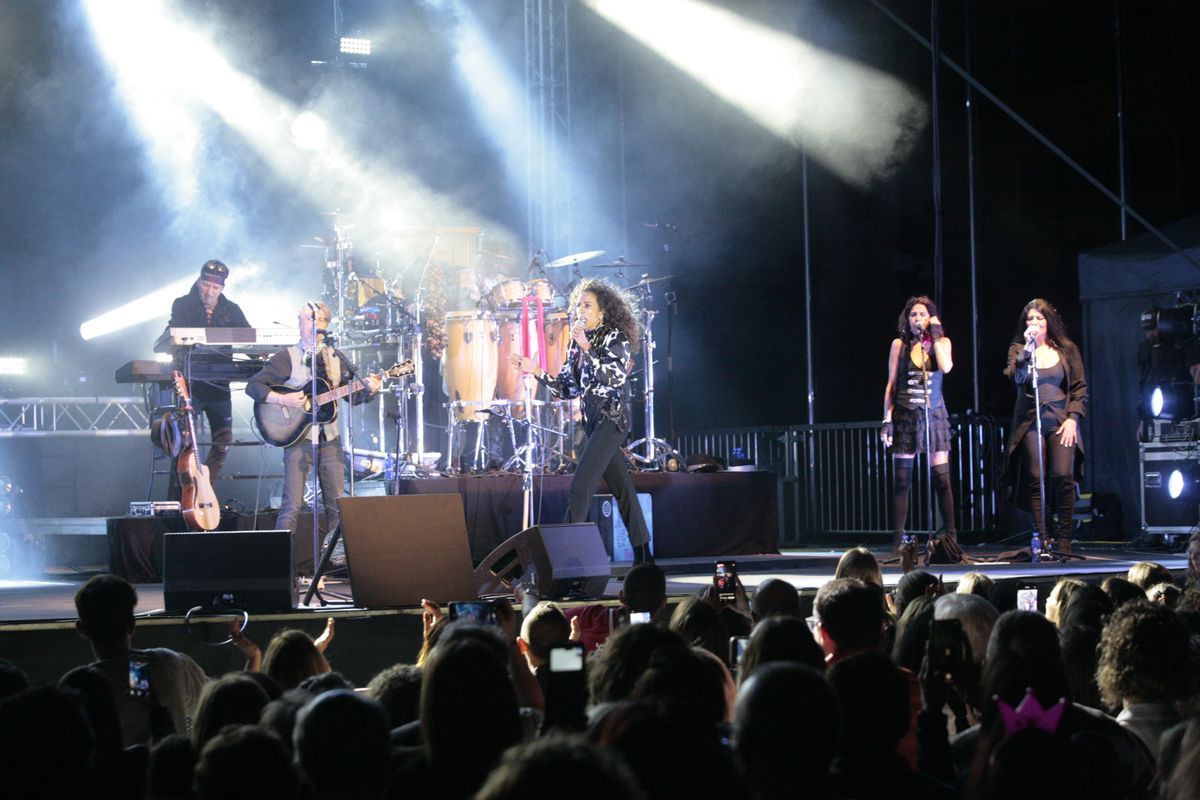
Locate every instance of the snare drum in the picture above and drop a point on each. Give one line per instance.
(469, 362)
(508, 294)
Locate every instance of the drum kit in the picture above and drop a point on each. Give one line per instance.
(518, 426)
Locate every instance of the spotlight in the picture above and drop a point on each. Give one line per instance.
(1173, 401)
(1182, 482)
(1173, 325)
(354, 46)
(12, 365)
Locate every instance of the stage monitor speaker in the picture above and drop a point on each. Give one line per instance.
(554, 561)
(249, 570)
(403, 548)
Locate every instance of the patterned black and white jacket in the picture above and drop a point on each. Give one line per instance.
(599, 375)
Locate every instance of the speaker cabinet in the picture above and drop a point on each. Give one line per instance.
(400, 549)
(1160, 513)
(249, 570)
(554, 561)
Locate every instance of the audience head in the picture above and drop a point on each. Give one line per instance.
(1060, 595)
(783, 758)
(96, 697)
(1192, 578)
(234, 699)
(1146, 655)
(1086, 605)
(543, 627)
(850, 617)
(12, 679)
(169, 769)
(775, 639)
(1145, 574)
(654, 736)
(342, 744)
(873, 696)
(644, 589)
(560, 766)
(279, 715)
(1078, 643)
(680, 674)
(1164, 594)
(1121, 591)
(912, 633)
(291, 657)
(47, 740)
(775, 598)
(398, 690)
(245, 762)
(912, 585)
(1023, 632)
(614, 671)
(977, 615)
(976, 583)
(700, 624)
(858, 562)
(466, 689)
(105, 606)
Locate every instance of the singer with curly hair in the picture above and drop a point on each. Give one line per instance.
(596, 369)
(921, 354)
(1041, 338)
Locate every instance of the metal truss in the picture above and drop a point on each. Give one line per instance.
(73, 416)
(548, 125)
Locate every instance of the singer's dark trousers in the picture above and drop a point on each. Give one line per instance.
(602, 458)
(1060, 462)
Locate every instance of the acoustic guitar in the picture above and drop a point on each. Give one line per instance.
(283, 426)
(201, 510)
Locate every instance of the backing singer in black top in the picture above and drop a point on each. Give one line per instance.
(1064, 394)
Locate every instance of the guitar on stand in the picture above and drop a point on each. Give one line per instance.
(201, 511)
(284, 426)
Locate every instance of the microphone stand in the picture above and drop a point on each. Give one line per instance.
(1037, 546)
(1039, 532)
(336, 534)
(314, 443)
(927, 394)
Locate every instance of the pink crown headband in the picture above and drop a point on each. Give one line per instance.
(1030, 714)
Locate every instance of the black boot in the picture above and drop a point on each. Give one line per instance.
(642, 554)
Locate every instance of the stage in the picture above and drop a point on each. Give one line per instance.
(37, 616)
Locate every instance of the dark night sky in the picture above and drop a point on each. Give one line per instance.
(83, 228)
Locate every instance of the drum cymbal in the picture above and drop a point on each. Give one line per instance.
(646, 281)
(618, 264)
(577, 258)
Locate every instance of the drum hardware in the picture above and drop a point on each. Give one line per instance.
(657, 451)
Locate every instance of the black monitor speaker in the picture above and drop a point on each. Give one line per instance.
(553, 561)
(248, 570)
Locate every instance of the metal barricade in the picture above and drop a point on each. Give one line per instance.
(836, 478)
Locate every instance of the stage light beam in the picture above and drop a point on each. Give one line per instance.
(858, 121)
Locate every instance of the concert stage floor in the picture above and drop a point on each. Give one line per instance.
(37, 616)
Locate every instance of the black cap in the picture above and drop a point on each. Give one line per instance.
(214, 271)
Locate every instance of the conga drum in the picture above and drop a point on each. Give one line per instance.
(508, 378)
(469, 362)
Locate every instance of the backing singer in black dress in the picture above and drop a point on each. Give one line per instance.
(919, 356)
(596, 369)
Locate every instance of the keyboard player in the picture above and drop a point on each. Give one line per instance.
(206, 306)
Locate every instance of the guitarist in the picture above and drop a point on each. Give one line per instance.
(291, 367)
